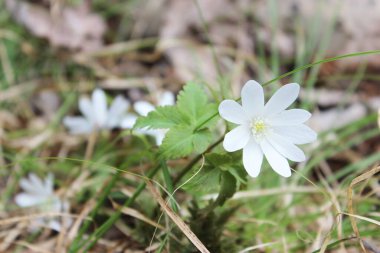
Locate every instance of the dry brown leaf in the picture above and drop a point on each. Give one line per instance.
(47, 102)
(182, 18)
(32, 142)
(336, 117)
(348, 33)
(326, 97)
(70, 27)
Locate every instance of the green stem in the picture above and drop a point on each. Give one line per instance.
(195, 161)
(339, 57)
(103, 197)
(89, 243)
(169, 185)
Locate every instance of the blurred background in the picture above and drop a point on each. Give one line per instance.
(52, 51)
(126, 45)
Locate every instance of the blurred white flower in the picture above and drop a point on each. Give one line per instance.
(97, 116)
(40, 194)
(144, 107)
(268, 129)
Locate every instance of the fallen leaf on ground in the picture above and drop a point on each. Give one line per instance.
(70, 27)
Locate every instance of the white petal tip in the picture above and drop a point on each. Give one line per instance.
(227, 147)
(285, 172)
(252, 83)
(294, 88)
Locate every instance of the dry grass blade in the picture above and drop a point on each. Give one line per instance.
(32, 247)
(136, 214)
(352, 215)
(376, 222)
(260, 246)
(18, 90)
(18, 219)
(177, 220)
(82, 216)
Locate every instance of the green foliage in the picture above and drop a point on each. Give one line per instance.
(227, 188)
(206, 180)
(220, 173)
(181, 141)
(161, 118)
(184, 136)
(209, 225)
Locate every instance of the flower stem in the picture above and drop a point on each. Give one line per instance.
(339, 57)
(194, 161)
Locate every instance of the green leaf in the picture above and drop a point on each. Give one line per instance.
(182, 140)
(217, 159)
(182, 120)
(192, 101)
(227, 188)
(208, 112)
(162, 117)
(206, 180)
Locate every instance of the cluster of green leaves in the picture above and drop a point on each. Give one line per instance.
(220, 173)
(183, 120)
(209, 224)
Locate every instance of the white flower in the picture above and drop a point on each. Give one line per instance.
(41, 195)
(144, 107)
(268, 129)
(97, 116)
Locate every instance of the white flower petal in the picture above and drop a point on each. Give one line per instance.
(118, 108)
(160, 135)
(85, 106)
(28, 186)
(290, 117)
(252, 158)
(299, 134)
(78, 125)
(286, 148)
(37, 183)
(54, 204)
(99, 102)
(54, 224)
(143, 107)
(166, 98)
(252, 98)
(26, 199)
(49, 183)
(282, 99)
(279, 163)
(128, 121)
(233, 112)
(237, 138)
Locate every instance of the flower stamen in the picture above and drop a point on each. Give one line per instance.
(258, 128)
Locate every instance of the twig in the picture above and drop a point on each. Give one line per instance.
(177, 220)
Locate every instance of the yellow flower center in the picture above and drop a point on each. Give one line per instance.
(259, 127)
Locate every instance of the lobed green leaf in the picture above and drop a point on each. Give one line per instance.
(162, 117)
(181, 141)
(192, 101)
